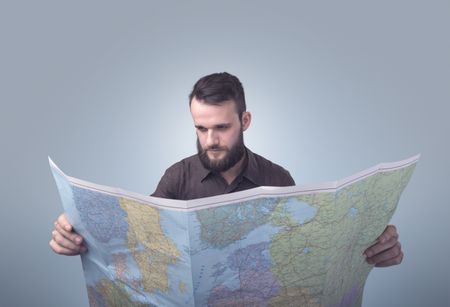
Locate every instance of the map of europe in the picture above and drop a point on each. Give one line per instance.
(285, 246)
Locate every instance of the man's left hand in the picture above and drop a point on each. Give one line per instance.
(387, 250)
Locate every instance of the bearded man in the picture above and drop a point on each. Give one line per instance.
(222, 165)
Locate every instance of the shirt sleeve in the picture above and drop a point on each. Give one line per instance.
(279, 176)
(288, 180)
(169, 184)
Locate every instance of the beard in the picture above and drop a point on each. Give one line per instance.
(233, 156)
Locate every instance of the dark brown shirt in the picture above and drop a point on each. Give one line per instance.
(188, 179)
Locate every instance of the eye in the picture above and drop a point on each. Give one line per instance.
(201, 129)
(222, 127)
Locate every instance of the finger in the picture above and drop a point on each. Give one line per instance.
(393, 261)
(386, 255)
(71, 236)
(61, 250)
(380, 247)
(64, 242)
(64, 223)
(388, 233)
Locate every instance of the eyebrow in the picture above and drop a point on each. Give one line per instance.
(226, 125)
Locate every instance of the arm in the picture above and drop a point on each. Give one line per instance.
(387, 251)
(65, 241)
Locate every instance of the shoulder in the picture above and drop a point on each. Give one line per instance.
(270, 173)
(172, 182)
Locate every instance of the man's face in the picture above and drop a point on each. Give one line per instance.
(220, 141)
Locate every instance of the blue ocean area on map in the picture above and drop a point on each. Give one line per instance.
(300, 210)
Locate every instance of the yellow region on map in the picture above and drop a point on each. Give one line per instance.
(108, 293)
(149, 246)
(182, 287)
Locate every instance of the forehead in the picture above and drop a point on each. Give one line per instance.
(210, 115)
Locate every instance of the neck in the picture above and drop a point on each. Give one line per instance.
(231, 174)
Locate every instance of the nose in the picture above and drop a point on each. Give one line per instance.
(212, 138)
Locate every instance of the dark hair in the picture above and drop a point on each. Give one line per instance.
(218, 87)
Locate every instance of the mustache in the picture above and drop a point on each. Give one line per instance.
(215, 147)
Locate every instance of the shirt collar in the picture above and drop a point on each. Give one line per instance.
(202, 171)
(250, 170)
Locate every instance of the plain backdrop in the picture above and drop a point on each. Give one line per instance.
(334, 87)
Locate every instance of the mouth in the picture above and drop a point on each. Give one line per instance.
(215, 153)
(215, 149)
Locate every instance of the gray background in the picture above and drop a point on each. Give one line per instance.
(334, 87)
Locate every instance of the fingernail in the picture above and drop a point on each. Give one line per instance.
(78, 240)
(368, 254)
(67, 227)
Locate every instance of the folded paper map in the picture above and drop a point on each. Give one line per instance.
(268, 246)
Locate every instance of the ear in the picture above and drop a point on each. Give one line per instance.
(246, 119)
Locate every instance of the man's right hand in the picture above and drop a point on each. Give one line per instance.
(65, 241)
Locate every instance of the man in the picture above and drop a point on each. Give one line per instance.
(222, 165)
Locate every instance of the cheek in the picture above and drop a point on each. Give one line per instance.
(201, 139)
(231, 138)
